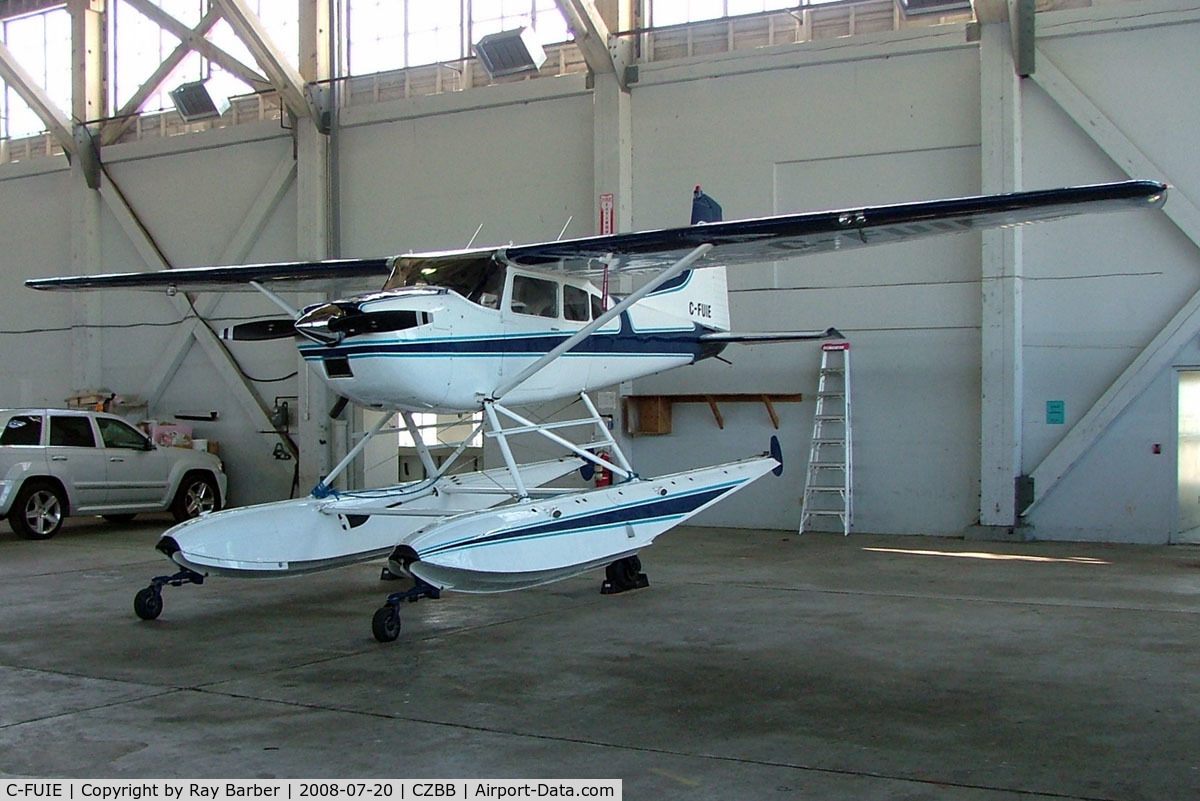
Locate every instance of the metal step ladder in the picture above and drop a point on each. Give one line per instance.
(829, 484)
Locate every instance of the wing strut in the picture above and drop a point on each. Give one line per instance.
(324, 488)
(589, 329)
(278, 301)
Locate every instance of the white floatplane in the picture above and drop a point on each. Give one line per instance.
(486, 329)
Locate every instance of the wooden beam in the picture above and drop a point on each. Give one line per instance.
(1001, 290)
(592, 36)
(124, 119)
(660, 407)
(284, 77)
(766, 399)
(195, 39)
(87, 60)
(716, 410)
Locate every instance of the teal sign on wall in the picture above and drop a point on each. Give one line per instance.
(1056, 412)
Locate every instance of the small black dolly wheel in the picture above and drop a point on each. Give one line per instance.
(386, 623)
(623, 573)
(148, 603)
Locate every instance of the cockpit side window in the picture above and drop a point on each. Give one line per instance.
(489, 289)
(575, 303)
(536, 296)
(477, 278)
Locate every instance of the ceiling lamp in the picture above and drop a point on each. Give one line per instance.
(513, 52)
(193, 102)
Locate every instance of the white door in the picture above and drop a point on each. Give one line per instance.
(1189, 457)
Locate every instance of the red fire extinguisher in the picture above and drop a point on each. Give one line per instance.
(604, 477)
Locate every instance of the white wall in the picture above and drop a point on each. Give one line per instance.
(1099, 290)
(35, 341)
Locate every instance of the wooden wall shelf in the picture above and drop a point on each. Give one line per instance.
(651, 414)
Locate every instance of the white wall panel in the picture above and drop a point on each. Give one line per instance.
(1099, 289)
(35, 340)
(522, 169)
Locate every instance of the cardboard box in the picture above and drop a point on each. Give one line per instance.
(171, 435)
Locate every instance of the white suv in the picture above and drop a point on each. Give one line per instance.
(55, 462)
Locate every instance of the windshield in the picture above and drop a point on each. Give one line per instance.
(476, 277)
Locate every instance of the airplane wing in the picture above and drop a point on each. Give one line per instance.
(793, 235)
(290, 275)
(733, 243)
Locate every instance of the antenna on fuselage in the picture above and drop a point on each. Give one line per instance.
(564, 228)
(472, 242)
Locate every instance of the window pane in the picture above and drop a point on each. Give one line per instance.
(140, 45)
(22, 429)
(119, 435)
(550, 24)
(41, 43)
(575, 303)
(535, 296)
(434, 33)
(72, 432)
(376, 36)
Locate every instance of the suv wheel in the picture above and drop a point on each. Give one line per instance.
(38, 511)
(196, 496)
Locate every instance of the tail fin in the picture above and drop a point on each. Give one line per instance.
(704, 208)
(697, 295)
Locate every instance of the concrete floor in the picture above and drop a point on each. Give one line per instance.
(757, 665)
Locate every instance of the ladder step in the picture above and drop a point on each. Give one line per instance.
(832, 410)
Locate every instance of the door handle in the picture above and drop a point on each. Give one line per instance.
(58, 458)
(115, 459)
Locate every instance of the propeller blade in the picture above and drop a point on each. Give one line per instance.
(261, 330)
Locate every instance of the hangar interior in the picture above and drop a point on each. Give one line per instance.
(1025, 384)
(959, 343)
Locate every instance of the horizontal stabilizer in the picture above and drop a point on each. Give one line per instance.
(771, 336)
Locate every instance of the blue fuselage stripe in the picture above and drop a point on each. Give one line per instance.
(625, 342)
(648, 510)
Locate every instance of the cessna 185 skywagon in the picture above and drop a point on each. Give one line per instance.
(486, 329)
